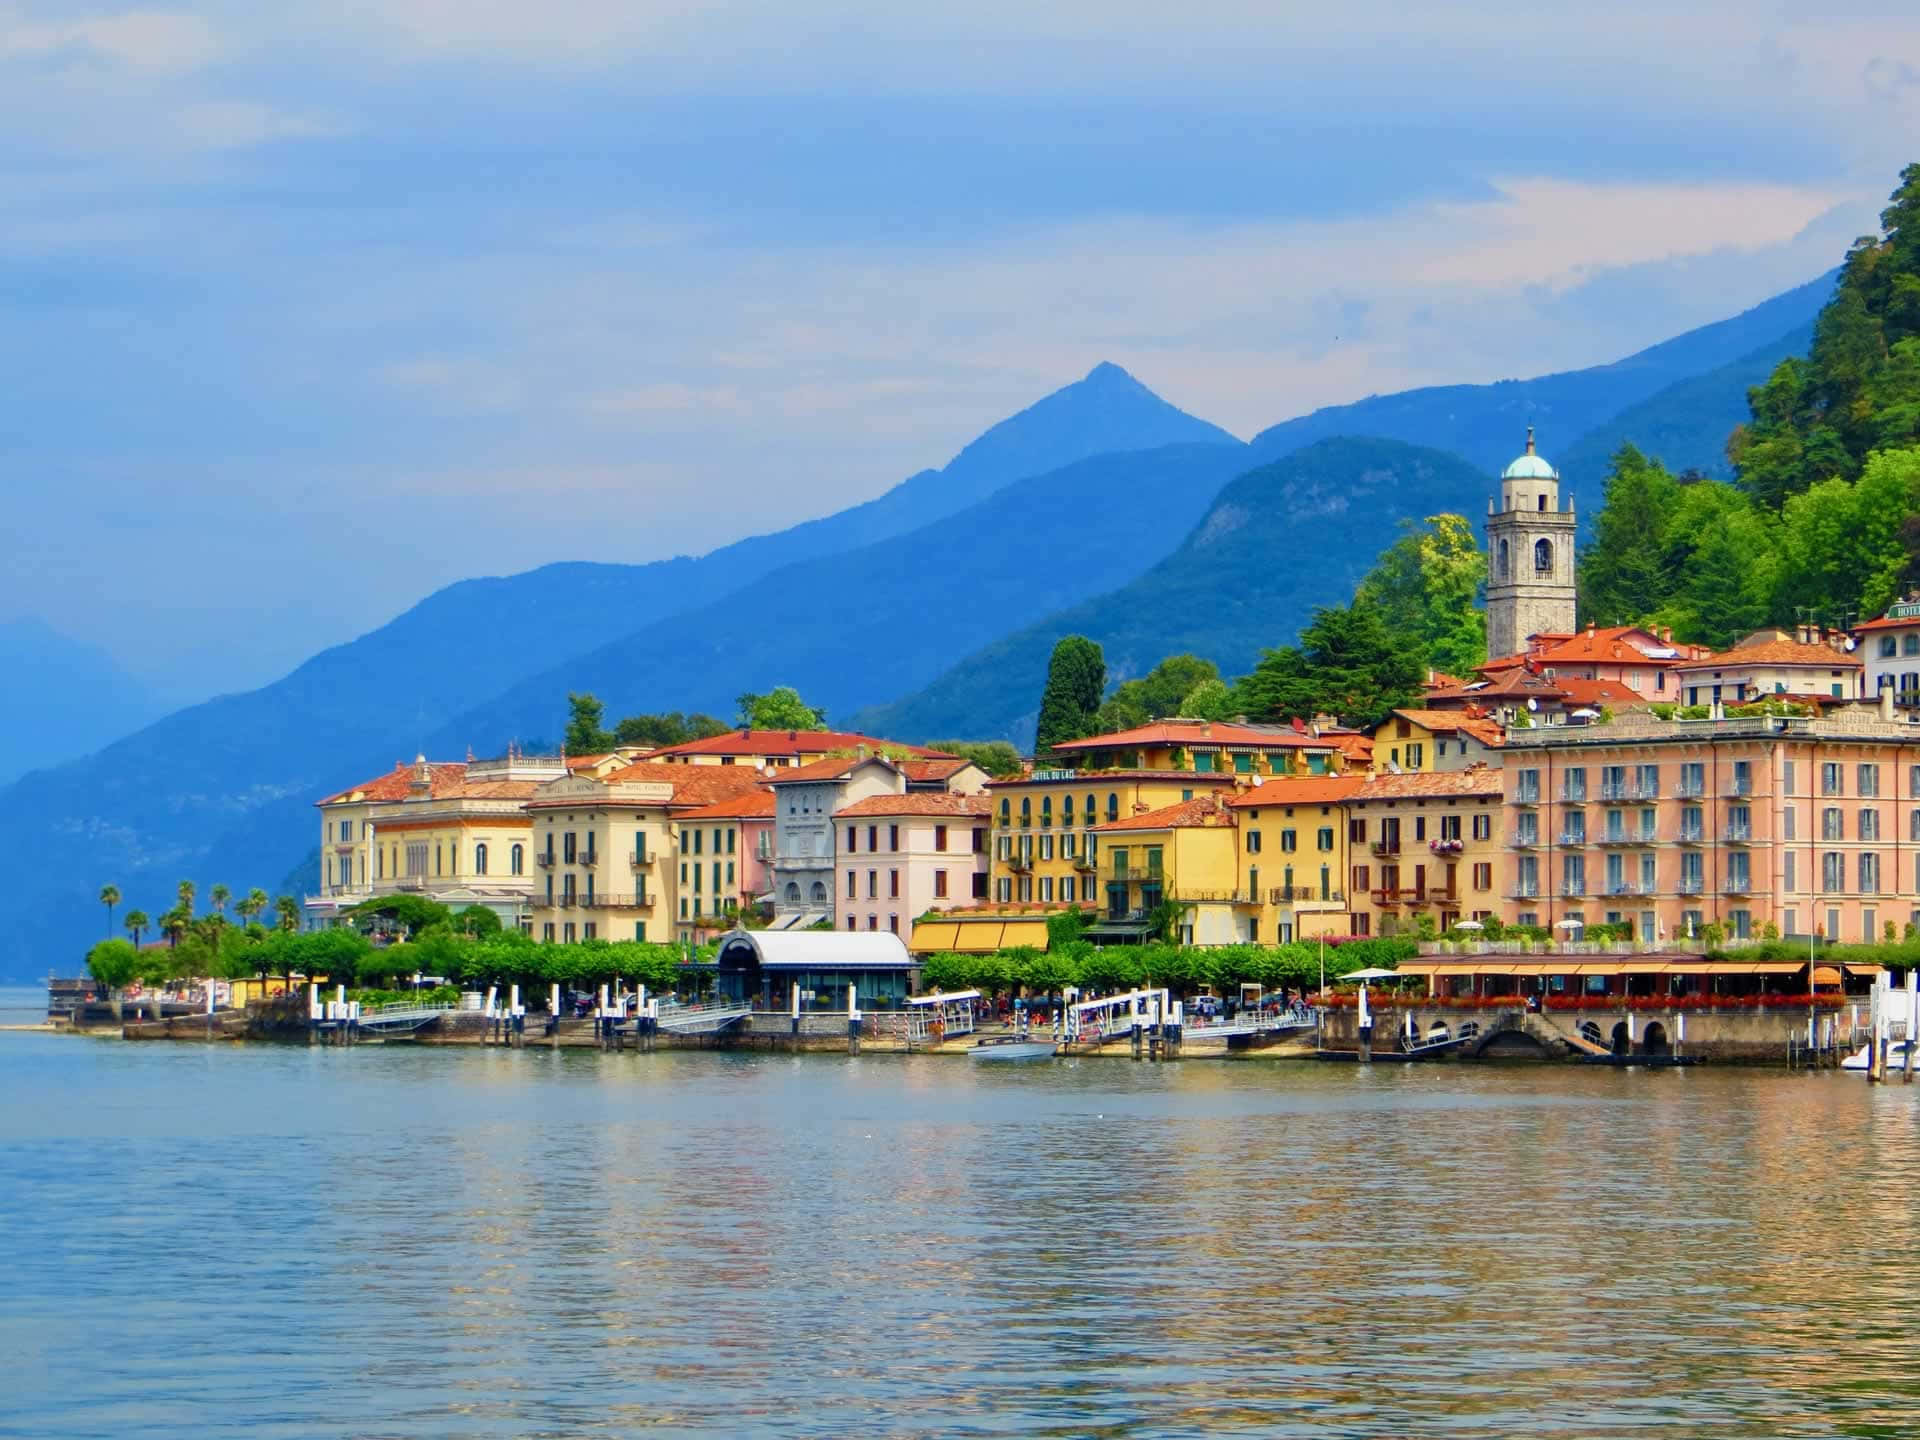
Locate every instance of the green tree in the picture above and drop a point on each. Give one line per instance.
(250, 908)
(1844, 545)
(113, 964)
(1624, 573)
(1346, 665)
(1161, 692)
(218, 897)
(110, 897)
(136, 923)
(1209, 700)
(781, 708)
(670, 728)
(584, 733)
(1076, 678)
(1426, 588)
(288, 909)
(998, 758)
(186, 893)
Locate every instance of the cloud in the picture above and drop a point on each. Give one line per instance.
(229, 124)
(143, 40)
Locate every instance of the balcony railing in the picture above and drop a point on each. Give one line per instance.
(1692, 885)
(1629, 887)
(1085, 863)
(1617, 837)
(641, 859)
(1574, 838)
(1526, 795)
(544, 859)
(1737, 885)
(1738, 835)
(1386, 847)
(639, 901)
(1523, 839)
(1574, 888)
(586, 857)
(1143, 876)
(1691, 789)
(1573, 794)
(1018, 861)
(565, 900)
(1692, 835)
(1525, 891)
(1295, 894)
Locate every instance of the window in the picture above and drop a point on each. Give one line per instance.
(1067, 887)
(1833, 872)
(480, 859)
(1005, 811)
(1867, 779)
(1647, 781)
(1450, 827)
(1243, 763)
(893, 884)
(1869, 824)
(939, 884)
(1324, 838)
(1483, 876)
(873, 837)
(568, 847)
(1830, 779)
(1003, 890)
(1739, 872)
(1501, 565)
(1575, 784)
(1832, 824)
(566, 932)
(1357, 831)
(546, 931)
(1889, 647)
(1416, 756)
(1573, 874)
(853, 886)
(873, 884)
(1743, 777)
(1026, 812)
(1113, 807)
(732, 832)
(1786, 777)
(1046, 889)
(1869, 870)
(940, 837)
(1483, 826)
(1787, 822)
(1362, 878)
(1046, 811)
(1788, 878)
(1542, 549)
(640, 931)
(1526, 790)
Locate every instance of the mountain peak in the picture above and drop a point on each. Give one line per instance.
(1108, 373)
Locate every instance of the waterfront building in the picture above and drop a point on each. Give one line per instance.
(1186, 853)
(1530, 563)
(1410, 741)
(740, 829)
(1889, 653)
(764, 968)
(1292, 841)
(809, 796)
(609, 855)
(901, 855)
(1792, 824)
(454, 832)
(783, 749)
(1424, 846)
(1772, 662)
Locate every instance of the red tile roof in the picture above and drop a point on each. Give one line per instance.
(1203, 812)
(1311, 790)
(754, 804)
(924, 770)
(1890, 622)
(1475, 780)
(693, 785)
(397, 783)
(791, 743)
(1103, 777)
(1485, 731)
(1197, 732)
(1612, 644)
(919, 802)
(831, 768)
(1778, 652)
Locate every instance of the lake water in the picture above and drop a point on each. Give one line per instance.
(209, 1241)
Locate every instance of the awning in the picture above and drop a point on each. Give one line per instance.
(1826, 975)
(933, 935)
(1853, 969)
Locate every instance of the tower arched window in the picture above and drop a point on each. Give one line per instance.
(1542, 556)
(480, 859)
(518, 859)
(1501, 564)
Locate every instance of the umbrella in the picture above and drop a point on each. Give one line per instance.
(1373, 973)
(1569, 924)
(1468, 925)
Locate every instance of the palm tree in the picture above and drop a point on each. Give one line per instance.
(288, 909)
(109, 897)
(176, 920)
(253, 906)
(186, 897)
(136, 923)
(220, 895)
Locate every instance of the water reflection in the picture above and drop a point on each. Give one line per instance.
(412, 1243)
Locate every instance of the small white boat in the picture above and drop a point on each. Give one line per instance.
(1896, 1057)
(1013, 1047)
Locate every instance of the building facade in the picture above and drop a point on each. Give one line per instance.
(456, 833)
(1772, 663)
(1796, 825)
(901, 855)
(1530, 561)
(1889, 652)
(1412, 741)
(1424, 846)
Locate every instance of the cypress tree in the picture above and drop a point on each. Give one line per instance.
(1076, 678)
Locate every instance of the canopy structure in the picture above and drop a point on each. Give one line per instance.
(978, 937)
(943, 998)
(1372, 972)
(814, 950)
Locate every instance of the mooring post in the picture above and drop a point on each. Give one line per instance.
(1179, 1027)
(1913, 1022)
(853, 1018)
(793, 1010)
(1363, 1023)
(313, 1011)
(553, 1012)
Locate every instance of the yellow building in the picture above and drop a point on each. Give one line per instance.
(1416, 741)
(616, 864)
(1187, 853)
(1293, 859)
(1425, 844)
(457, 833)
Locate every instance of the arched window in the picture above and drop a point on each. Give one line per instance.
(1113, 806)
(1542, 503)
(480, 859)
(1542, 556)
(518, 859)
(1500, 564)
(818, 894)
(1046, 812)
(793, 893)
(1026, 812)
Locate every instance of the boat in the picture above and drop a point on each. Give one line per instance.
(1013, 1047)
(1896, 1057)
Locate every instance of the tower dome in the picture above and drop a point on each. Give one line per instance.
(1529, 466)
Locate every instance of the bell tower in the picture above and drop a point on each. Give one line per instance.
(1530, 535)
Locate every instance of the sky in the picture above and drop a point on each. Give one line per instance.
(309, 308)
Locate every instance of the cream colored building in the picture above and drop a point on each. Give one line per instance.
(610, 856)
(456, 833)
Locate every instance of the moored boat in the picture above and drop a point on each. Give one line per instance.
(1013, 1047)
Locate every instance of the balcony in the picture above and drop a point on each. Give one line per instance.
(1086, 864)
(1691, 835)
(1385, 847)
(1692, 885)
(1630, 887)
(586, 857)
(1571, 795)
(410, 882)
(544, 859)
(1573, 839)
(1573, 889)
(1523, 839)
(1618, 837)
(1300, 894)
(564, 900)
(1741, 789)
(1526, 795)
(1691, 789)
(1738, 835)
(1019, 862)
(640, 901)
(643, 859)
(1396, 896)
(1144, 876)
(1523, 890)
(1737, 885)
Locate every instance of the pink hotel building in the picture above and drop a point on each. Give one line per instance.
(1808, 825)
